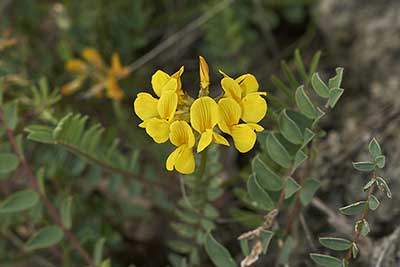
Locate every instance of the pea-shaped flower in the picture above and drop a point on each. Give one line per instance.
(204, 115)
(182, 158)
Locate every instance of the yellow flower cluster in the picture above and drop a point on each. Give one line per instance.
(93, 67)
(173, 115)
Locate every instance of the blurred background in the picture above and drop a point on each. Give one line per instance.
(247, 36)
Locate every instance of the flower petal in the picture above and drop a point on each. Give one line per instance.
(167, 104)
(254, 108)
(72, 86)
(244, 137)
(256, 127)
(231, 88)
(181, 134)
(248, 83)
(219, 139)
(230, 114)
(158, 129)
(205, 140)
(204, 114)
(185, 161)
(177, 75)
(171, 160)
(93, 57)
(75, 66)
(204, 74)
(113, 90)
(145, 106)
(162, 82)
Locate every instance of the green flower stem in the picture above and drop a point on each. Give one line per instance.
(203, 163)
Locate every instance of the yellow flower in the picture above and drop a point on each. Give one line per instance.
(244, 90)
(157, 114)
(204, 115)
(76, 66)
(92, 56)
(243, 134)
(161, 82)
(116, 67)
(182, 158)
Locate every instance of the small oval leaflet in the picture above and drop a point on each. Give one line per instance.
(364, 166)
(218, 254)
(374, 148)
(319, 86)
(259, 195)
(373, 202)
(46, 237)
(289, 129)
(334, 243)
(8, 162)
(304, 103)
(265, 176)
(277, 151)
(19, 201)
(353, 209)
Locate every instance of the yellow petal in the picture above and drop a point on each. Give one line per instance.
(75, 66)
(254, 108)
(219, 139)
(230, 112)
(167, 105)
(204, 114)
(113, 90)
(72, 86)
(92, 56)
(162, 82)
(205, 140)
(256, 127)
(204, 74)
(171, 160)
(177, 75)
(181, 134)
(248, 83)
(145, 106)
(244, 137)
(185, 161)
(158, 129)
(231, 88)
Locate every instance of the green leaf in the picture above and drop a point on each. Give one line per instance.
(286, 250)
(289, 129)
(304, 103)
(364, 166)
(369, 184)
(244, 246)
(326, 260)
(277, 151)
(281, 86)
(353, 209)
(374, 148)
(308, 136)
(299, 158)
(106, 263)
(259, 195)
(300, 66)
(289, 75)
(98, 250)
(373, 202)
(354, 250)
(380, 161)
(39, 133)
(65, 212)
(314, 63)
(362, 226)
(19, 201)
(308, 191)
(334, 243)
(218, 254)
(291, 187)
(336, 81)
(10, 114)
(383, 186)
(334, 96)
(8, 162)
(46, 237)
(265, 237)
(267, 178)
(319, 86)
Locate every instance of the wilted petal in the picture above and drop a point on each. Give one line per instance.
(167, 104)
(205, 140)
(145, 106)
(231, 88)
(254, 108)
(248, 83)
(230, 112)
(158, 129)
(92, 56)
(244, 137)
(204, 114)
(181, 134)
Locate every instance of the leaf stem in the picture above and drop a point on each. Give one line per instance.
(35, 186)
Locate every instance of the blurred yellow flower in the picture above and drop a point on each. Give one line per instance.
(93, 67)
(204, 115)
(182, 158)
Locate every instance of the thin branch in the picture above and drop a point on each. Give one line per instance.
(35, 186)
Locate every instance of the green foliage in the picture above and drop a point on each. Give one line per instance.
(218, 254)
(44, 238)
(19, 201)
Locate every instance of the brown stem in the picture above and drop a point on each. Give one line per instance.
(364, 215)
(35, 186)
